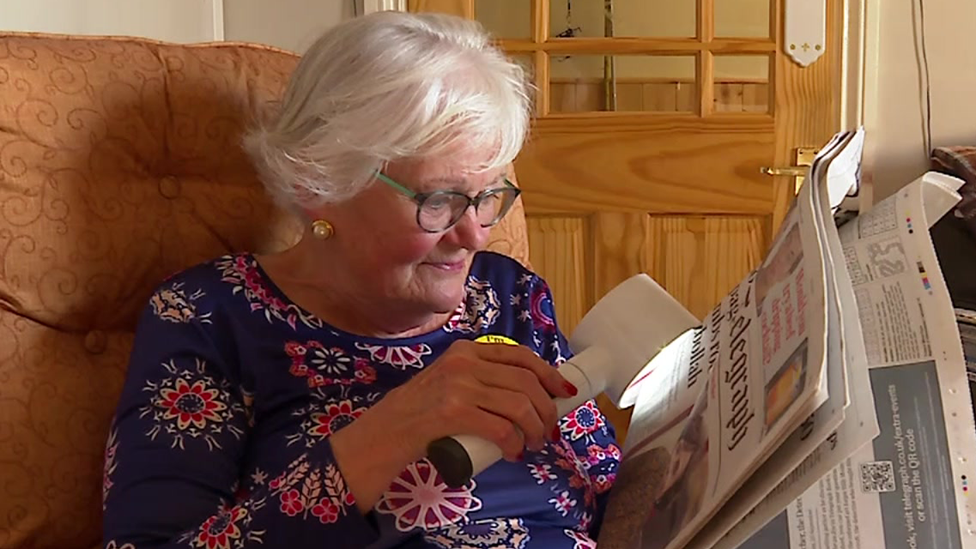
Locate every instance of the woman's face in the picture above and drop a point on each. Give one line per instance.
(392, 262)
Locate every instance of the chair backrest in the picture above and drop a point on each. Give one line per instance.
(119, 164)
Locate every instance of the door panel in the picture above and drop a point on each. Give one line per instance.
(661, 165)
(698, 259)
(557, 245)
(641, 162)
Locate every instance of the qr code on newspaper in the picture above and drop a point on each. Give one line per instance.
(877, 476)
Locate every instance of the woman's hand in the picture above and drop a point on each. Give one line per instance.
(502, 393)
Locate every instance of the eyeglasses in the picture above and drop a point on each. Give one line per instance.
(438, 211)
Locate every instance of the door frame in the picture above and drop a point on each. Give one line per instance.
(859, 82)
(217, 14)
(369, 6)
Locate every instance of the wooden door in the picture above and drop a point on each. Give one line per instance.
(651, 129)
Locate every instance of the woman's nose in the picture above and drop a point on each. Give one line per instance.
(468, 233)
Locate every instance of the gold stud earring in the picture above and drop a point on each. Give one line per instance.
(322, 229)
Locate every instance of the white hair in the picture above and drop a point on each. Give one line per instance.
(387, 86)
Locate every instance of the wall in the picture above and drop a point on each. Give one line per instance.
(171, 20)
(899, 155)
(289, 24)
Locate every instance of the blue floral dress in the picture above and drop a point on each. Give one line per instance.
(221, 437)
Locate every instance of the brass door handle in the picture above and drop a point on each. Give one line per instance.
(794, 171)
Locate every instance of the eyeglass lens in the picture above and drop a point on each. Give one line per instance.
(440, 211)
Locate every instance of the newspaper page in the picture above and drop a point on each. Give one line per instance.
(766, 495)
(908, 488)
(844, 180)
(719, 400)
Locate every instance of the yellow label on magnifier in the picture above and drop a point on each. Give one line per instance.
(492, 338)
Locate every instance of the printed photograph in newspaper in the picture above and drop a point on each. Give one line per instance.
(786, 385)
(779, 266)
(682, 489)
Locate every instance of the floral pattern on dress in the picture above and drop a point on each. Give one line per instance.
(335, 417)
(583, 421)
(541, 472)
(592, 471)
(419, 498)
(242, 272)
(563, 502)
(329, 412)
(535, 308)
(109, 463)
(603, 482)
(190, 404)
(276, 392)
(479, 311)
(596, 456)
(582, 540)
(172, 304)
(483, 534)
(541, 310)
(229, 528)
(323, 366)
(319, 492)
(579, 477)
(399, 356)
(571, 491)
(112, 544)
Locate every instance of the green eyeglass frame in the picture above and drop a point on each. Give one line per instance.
(458, 203)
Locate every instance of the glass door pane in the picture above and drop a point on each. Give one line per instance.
(634, 83)
(510, 19)
(742, 83)
(742, 18)
(629, 18)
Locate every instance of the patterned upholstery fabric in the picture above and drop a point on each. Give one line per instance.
(960, 161)
(954, 236)
(119, 164)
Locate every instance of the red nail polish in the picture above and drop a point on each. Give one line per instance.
(556, 433)
(570, 388)
(520, 456)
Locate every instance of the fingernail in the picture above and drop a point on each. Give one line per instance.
(570, 388)
(520, 456)
(556, 433)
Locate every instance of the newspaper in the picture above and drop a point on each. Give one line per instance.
(775, 393)
(821, 444)
(717, 402)
(910, 487)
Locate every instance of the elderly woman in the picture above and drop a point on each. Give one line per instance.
(287, 400)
